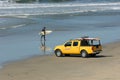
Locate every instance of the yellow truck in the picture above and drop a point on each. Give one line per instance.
(82, 46)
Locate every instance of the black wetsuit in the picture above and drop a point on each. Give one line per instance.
(43, 35)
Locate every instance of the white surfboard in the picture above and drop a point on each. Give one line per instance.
(46, 32)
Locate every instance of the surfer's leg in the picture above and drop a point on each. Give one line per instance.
(44, 38)
(41, 37)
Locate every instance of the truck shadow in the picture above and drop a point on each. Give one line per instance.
(100, 56)
(97, 56)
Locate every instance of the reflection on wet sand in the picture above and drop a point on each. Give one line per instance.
(43, 47)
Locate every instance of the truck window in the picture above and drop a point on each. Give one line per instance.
(75, 44)
(84, 43)
(95, 42)
(68, 44)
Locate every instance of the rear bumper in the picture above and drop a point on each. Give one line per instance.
(97, 52)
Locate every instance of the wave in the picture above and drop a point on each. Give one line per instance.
(15, 26)
(56, 8)
(9, 6)
(18, 26)
(21, 16)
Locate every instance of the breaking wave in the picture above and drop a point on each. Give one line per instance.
(15, 26)
(56, 8)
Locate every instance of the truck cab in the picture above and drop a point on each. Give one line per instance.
(79, 46)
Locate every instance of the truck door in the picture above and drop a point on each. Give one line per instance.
(67, 48)
(72, 47)
(75, 47)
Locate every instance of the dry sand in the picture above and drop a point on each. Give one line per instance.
(106, 66)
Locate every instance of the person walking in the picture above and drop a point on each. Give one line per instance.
(44, 33)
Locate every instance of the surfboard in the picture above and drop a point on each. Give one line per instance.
(46, 32)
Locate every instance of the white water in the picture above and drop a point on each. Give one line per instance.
(55, 8)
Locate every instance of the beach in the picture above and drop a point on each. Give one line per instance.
(104, 66)
(24, 57)
(20, 25)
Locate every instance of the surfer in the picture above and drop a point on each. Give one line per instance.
(44, 33)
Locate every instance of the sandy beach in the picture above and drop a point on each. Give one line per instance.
(21, 46)
(105, 66)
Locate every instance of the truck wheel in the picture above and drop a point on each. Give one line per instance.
(84, 54)
(58, 53)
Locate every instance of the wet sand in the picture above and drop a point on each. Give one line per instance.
(105, 66)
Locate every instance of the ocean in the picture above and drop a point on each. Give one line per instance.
(21, 23)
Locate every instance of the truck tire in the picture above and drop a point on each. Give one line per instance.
(58, 53)
(84, 54)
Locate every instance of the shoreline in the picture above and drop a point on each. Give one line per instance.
(67, 68)
(43, 55)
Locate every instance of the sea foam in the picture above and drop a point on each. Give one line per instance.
(55, 8)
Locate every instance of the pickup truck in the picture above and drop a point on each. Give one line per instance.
(81, 46)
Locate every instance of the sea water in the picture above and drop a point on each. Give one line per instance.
(21, 23)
